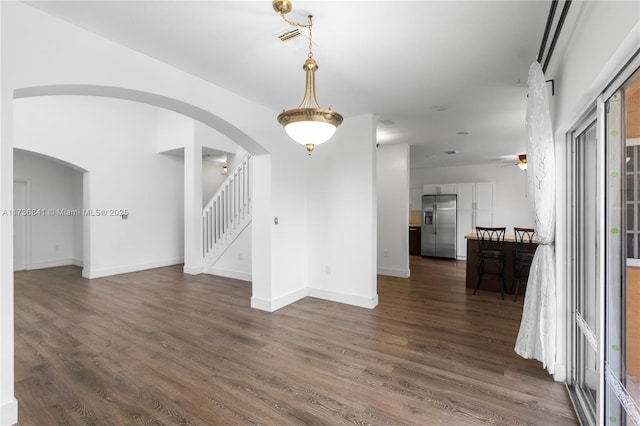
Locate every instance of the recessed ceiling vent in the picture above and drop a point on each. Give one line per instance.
(289, 35)
(451, 152)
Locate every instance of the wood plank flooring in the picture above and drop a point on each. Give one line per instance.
(159, 347)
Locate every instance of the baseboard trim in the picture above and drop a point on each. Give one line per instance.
(560, 372)
(50, 264)
(280, 302)
(349, 299)
(392, 272)
(227, 273)
(106, 272)
(9, 412)
(261, 304)
(192, 270)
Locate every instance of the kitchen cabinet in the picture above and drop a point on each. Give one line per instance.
(415, 238)
(440, 188)
(475, 208)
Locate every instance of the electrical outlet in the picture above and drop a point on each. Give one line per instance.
(58, 247)
(240, 256)
(327, 269)
(385, 253)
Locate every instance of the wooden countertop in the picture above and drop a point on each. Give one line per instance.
(509, 238)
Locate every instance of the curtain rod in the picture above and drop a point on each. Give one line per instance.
(556, 33)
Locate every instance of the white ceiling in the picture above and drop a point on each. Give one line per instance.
(400, 60)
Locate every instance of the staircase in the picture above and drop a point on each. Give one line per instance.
(227, 214)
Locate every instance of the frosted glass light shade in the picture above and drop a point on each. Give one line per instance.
(310, 132)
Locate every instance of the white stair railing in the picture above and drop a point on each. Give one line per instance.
(227, 213)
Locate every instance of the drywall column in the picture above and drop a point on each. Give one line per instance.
(193, 207)
(261, 230)
(86, 225)
(393, 210)
(343, 219)
(8, 403)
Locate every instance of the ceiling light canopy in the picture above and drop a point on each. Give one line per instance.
(523, 161)
(308, 124)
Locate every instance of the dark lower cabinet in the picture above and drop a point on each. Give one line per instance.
(491, 282)
(415, 240)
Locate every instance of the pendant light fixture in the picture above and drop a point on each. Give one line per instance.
(308, 124)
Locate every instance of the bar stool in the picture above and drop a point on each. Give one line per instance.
(490, 250)
(525, 251)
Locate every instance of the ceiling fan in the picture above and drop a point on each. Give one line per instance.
(522, 162)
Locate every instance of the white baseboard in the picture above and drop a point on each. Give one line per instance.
(560, 372)
(261, 304)
(280, 302)
(349, 299)
(392, 272)
(50, 264)
(9, 412)
(105, 272)
(227, 273)
(192, 270)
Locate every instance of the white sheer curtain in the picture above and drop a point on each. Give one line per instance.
(537, 335)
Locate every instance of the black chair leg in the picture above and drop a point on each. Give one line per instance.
(501, 276)
(480, 264)
(517, 276)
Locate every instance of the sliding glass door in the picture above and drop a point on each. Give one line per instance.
(622, 295)
(604, 277)
(585, 384)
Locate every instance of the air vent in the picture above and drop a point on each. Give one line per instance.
(289, 35)
(387, 122)
(451, 152)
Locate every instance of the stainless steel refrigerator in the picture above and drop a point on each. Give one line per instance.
(439, 225)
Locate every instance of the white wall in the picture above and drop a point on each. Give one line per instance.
(236, 260)
(511, 205)
(115, 141)
(342, 215)
(53, 186)
(210, 138)
(586, 60)
(393, 210)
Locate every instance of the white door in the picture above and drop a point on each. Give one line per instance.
(19, 226)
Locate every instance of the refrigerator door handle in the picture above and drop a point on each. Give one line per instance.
(435, 218)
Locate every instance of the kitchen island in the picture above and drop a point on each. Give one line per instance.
(490, 282)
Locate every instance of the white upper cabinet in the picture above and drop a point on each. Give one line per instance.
(435, 189)
(475, 196)
(484, 195)
(465, 196)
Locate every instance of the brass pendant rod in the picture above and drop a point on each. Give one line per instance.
(310, 99)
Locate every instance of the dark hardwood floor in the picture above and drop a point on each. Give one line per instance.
(160, 347)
